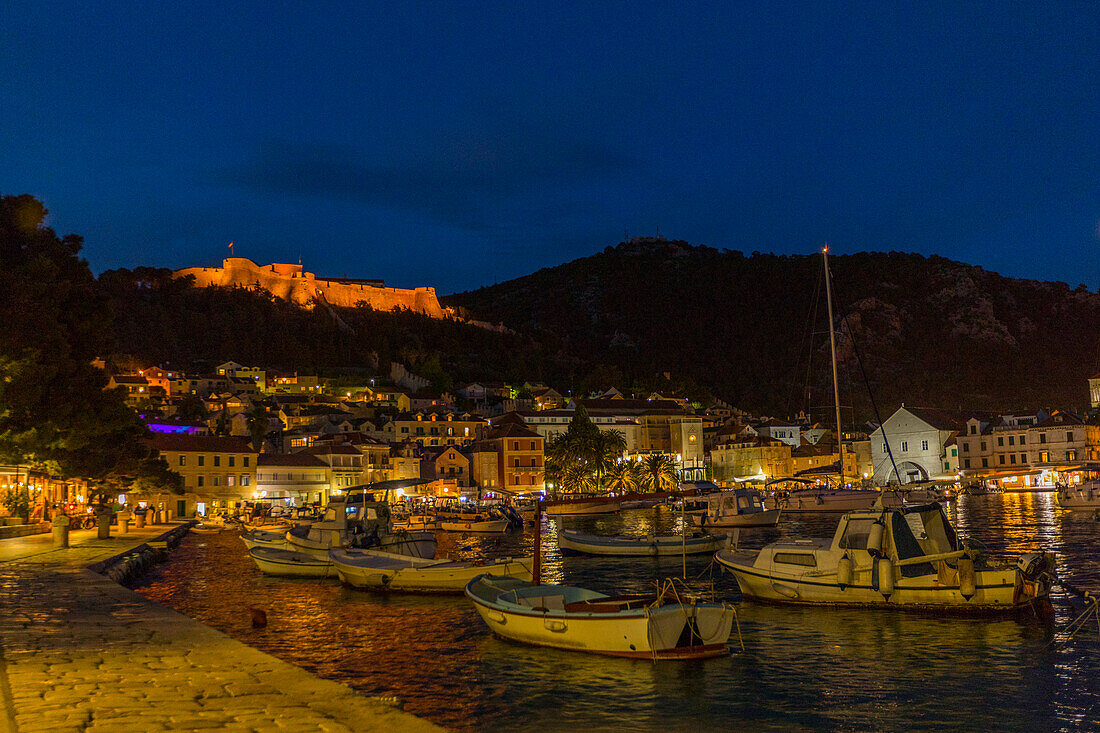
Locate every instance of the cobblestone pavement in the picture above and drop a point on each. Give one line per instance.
(81, 653)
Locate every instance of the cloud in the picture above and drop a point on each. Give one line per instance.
(461, 182)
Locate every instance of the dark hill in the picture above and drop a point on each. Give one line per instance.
(931, 331)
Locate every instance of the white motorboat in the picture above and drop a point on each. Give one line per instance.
(361, 523)
(385, 571)
(264, 538)
(639, 545)
(568, 507)
(1083, 497)
(741, 507)
(650, 626)
(835, 500)
(906, 557)
(290, 564)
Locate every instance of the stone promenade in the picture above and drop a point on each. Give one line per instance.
(81, 653)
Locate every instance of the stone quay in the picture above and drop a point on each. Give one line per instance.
(79, 652)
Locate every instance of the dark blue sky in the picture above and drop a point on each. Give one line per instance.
(457, 145)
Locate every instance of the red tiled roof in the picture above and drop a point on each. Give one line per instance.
(511, 430)
(296, 460)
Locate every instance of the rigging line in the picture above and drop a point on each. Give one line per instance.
(871, 395)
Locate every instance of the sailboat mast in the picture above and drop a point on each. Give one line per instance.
(832, 351)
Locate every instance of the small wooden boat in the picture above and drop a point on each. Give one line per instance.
(264, 538)
(648, 626)
(639, 545)
(290, 564)
(478, 523)
(385, 571)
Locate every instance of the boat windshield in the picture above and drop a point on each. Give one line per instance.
(856, 534)
(907, 545)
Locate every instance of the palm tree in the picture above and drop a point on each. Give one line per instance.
(576, 477)
(602, 450)
(660, 472)
(622, 476)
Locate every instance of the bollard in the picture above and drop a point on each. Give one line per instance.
(124, 522)
(60, 530)
(139, 520)
(167, 516)
(103, 524)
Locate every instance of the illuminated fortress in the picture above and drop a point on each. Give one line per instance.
(295, 284)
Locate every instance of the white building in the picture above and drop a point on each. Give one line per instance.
(921, 442)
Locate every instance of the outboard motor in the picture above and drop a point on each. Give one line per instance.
(1034, 564)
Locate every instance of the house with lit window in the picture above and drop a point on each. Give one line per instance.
(218, 472)
(435, 429)
(520, 458)
(751, 458)
(301, 477)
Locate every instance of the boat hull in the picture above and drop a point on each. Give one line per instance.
(263, 538)
(290, 564)
(583, 508)
(995, 590)
(495, 526)
(445, 578)
(671, 545)
(646, 633)
(766, 518)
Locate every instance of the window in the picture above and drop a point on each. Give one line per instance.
(983, 446)
(965, 447)
(947, 467)
(1023, 440)
(230, 480)
(1001, 459)
(1069, 436)
(232, 461)
(985, 463)
(217, 461)
(973, 429)
(515, 445)
(904, 446)
(515, 462)
(855, 535)
(954, 452)
(1011, 459)
(202, 460)
(1042, 438)
(1071, 455)
(199, 484)
(1023, 458)
(245, 464)
(214, 481)
(966, 463)
(183, 460)
(1044, 456)
(1000, 440)
(796, 558)
(246, 480)
(924, 445)
(1012, 440)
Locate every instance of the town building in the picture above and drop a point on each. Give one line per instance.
(218, 472)
(919, 441)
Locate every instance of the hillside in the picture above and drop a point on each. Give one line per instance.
(931, 331)
(162, 320)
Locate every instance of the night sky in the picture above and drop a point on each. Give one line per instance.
(458, 145)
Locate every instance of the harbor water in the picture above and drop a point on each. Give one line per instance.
(802, 668)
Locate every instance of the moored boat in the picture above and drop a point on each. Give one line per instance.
(478, 523)
(649, 626)
(290, 564)
(1083, 497)
(742, 507)
(567, 507)
(264, 538)
(639, 545)
(385, 571)
(906, 557)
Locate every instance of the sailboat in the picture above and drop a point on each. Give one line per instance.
(887, 555)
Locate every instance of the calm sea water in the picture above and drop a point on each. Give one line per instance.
(802, 668)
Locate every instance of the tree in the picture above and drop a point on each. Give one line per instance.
(659, 472)
(55, 413)
(258, 423)
(623, 477)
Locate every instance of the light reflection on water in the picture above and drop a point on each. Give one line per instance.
(804, 668)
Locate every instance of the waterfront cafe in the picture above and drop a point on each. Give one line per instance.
(1034, 477)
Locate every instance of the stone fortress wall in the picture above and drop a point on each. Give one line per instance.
(293, 283)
